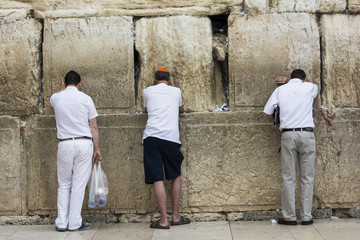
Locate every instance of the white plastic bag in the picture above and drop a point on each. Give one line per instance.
(99, 188)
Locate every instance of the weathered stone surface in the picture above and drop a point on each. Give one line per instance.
(54, 8)
(121, 146)
(20, 66)
(41, 148)
(188, 57)
(10, 171)
(126, 4)
(264, 47)
(311, 6)
(332, 5)
(120, 143)
(338, 161)
(341, 67)
(232, 162)
(81, 8)
(101, 51)
(11, 4)
(354, 5)
(193, 11)
(256, 6)
(13, 13)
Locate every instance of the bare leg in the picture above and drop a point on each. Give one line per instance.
(160, 195)
(175, 194)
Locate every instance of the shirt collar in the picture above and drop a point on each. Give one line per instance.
(295, 80)
(71, 88)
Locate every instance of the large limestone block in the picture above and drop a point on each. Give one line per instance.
(41, 148)
(310, 5)
(183, 45)
(338, 162)
(121, 147)
(10, 171)
(101, 51)
(55, 8)
(354, 5)
(341, 64)
(81, 8)
(125, 4)
(264, 47)
(233, 162)
(20, 66)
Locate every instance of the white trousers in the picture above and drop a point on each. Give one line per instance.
(298, 148)
(74, 160)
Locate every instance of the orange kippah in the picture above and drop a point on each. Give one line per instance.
(162, 70)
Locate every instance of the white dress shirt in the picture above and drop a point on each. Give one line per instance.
(295, 100)
(73, 110)
(162, 103)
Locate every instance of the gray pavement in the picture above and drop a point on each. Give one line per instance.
(341, 229)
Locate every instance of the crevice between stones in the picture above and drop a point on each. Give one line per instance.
(220, 54)
(41, 103)
(136, 65)
(318, 21)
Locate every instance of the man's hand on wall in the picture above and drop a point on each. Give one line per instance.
(281, 80)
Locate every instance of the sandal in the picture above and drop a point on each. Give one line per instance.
(158, 225)
(182, 221)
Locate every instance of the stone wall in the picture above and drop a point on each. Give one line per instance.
(218, 52)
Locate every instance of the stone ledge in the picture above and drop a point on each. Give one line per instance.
(196, 217)
(155, 12)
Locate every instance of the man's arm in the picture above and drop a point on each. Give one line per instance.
(95, 134)
(269, 116)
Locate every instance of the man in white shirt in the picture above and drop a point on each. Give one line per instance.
(295, 98)
(78, 136)
(162, 146)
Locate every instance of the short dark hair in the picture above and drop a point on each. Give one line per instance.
(72, 78)
(162, 76)
(298, 73)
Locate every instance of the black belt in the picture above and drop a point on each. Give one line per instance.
(307, 129)
(74, 138)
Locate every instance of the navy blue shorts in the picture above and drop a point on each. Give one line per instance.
(160, 155)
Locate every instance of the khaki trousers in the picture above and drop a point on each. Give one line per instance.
(298, 148)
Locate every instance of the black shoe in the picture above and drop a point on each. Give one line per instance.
(83, 227)
(284, 222)
(60, 229)
(307, 222)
